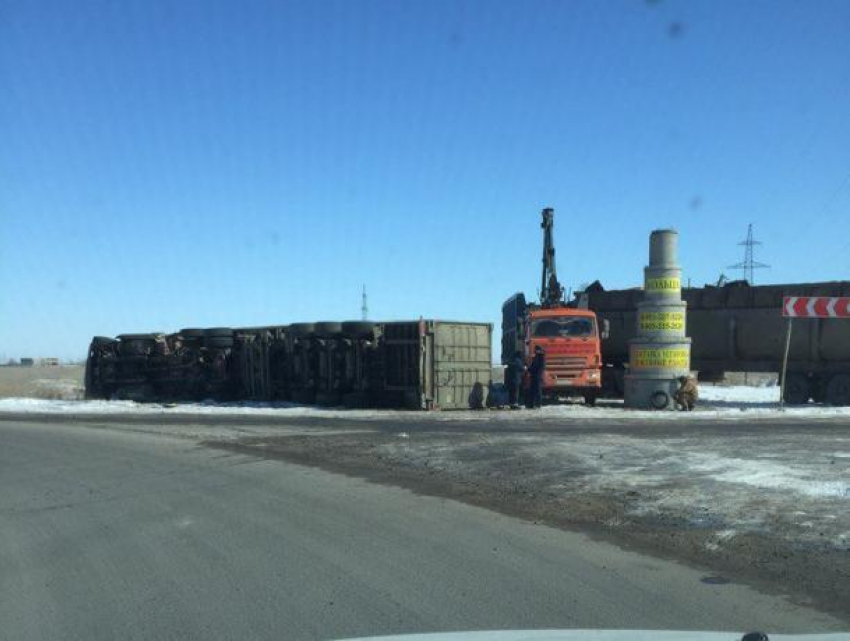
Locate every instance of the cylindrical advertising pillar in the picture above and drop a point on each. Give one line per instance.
(660, 352)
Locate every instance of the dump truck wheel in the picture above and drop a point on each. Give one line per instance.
(328, 328)
(590, 398)
(358, 329)
(838, 390)
(797, 389)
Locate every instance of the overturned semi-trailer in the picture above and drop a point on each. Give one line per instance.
(422, 364)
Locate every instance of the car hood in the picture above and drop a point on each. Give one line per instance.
(604, 635)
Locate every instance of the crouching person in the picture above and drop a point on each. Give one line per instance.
(687, 394)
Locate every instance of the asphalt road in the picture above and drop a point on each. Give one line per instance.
(117, 534)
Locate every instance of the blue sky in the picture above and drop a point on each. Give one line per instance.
(173, 164)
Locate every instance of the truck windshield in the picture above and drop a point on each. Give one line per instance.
(563, 327)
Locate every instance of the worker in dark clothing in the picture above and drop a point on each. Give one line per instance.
(513, 378)
(535, 372)
(687, 394)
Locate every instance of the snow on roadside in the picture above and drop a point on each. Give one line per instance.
(716, 402)
(739, 394)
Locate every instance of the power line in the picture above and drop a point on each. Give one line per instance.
(749, 264)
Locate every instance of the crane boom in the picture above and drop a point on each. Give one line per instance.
(551, 292)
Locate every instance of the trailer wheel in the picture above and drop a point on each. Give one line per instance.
(838, 390)
(218, 342)
(302, 329)
(328, 328)
(797, 389)
(219, 331)
(358, 329)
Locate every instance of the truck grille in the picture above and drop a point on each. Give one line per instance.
(563, 363)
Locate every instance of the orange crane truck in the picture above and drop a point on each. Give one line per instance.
(569, 337)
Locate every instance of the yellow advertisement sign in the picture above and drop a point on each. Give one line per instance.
(655, 321)
(675, 357)
(663, 284)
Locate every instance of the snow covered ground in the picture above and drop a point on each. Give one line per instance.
(753, 479)
(716, 402)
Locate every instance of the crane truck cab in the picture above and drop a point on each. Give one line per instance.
(570, 339)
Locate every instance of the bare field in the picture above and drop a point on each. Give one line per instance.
(64, 382)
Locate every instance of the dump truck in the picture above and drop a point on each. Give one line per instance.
(737, 327)
(570, 337)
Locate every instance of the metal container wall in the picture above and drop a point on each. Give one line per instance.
(738, 328)
(432, 364)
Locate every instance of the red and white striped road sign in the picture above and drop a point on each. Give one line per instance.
(816, 307)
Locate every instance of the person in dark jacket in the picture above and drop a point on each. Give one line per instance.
(513, 379)
(535, 372)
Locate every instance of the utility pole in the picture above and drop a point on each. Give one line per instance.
(749, 264)
(364, 307)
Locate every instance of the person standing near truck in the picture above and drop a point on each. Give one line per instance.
(535, 373)
(513, 378)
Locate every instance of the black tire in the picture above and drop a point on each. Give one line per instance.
(218, 331)
(135, 344)
(218, 342)
(838, 390)
(659, 400)
(302, 329)
(590, 398)
(797, 389)
(328, 328)
(191, 332)
(358, 329)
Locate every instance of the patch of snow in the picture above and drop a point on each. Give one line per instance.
(716, 402)
(738, 394)
(765, 475)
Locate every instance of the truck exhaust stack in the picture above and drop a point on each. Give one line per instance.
(660, 352)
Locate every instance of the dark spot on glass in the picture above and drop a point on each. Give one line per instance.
(274, 237)
(696, 202)
(675, 29)
(715, 580)
(455, 38)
